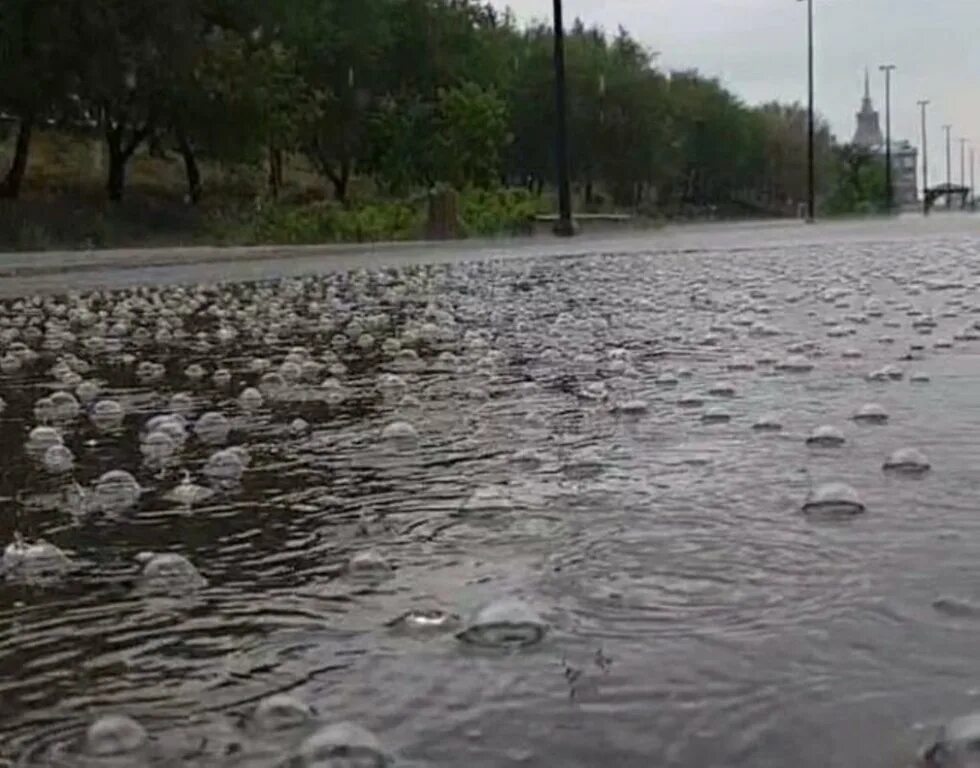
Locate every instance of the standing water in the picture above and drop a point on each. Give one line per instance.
(521, 511)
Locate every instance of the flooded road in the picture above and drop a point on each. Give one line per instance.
(720, 499)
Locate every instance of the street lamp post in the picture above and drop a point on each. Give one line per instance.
(963, 143)
(810, 161)
(925, 158)
(949, 164)
(564, 227)
(973, 168)
(889, 191)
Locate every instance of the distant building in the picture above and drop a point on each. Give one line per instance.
(905, 166)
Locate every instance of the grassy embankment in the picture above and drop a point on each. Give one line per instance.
(63, 205)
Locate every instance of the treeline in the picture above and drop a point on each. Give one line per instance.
(406, 93)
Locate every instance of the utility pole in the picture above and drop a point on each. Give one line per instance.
(811, 181)
(565, 227)
(973, 168)
(963, 143)
(925, 158)
(949, 165)
(889, 191)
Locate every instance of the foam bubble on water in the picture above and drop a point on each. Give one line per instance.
(115, 736)
(716, 416)
(769, 422)
(58, 460)
(795, 364)
(871, 413)
(833, 499)
(826, 436)
(505, 623)
(722, 389)
(41, 438)
(107, 415)
(957, 745)
(226, 466)
(24, 559)
(168, 571)
(281, 712)
(907, 460)
(632, 407)
(116, 491)
(212, 428)
(187, 493)
(341, 745)
(250, 399)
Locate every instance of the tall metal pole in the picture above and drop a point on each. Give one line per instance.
(889, 191)
(963, 143)
(949, 165)
(973, 168)
(810, 161)
(565, 227)
(925, 157)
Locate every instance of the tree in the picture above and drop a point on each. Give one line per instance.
(37, 79)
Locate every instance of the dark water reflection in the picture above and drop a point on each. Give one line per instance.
(697, 617)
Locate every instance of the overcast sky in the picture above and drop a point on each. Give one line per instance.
(757, 48)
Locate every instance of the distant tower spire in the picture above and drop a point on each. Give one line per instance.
(868, 133)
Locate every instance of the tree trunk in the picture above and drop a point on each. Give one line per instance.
(275, 171)
(10, 187)
(191, 167)
(119, 155)
(116, 181)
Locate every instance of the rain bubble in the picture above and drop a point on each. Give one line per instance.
(87, 391)
(504, 623)
(826, 436)
(298, 427)
(768, 423)
(722, 389)
(716, 416)
(116, 491)
(107, 415)
(168, 570)
(400, 432)
(188, 493)
(368, 563)
(115, 736)
(158, 448)
(42, 438)
(833, 499)
(221, 377)
(957, 745)
(64, 406)
(871, 413)
(26, 559)
(342, 744)
(907, 460)
(795, 364)
(250, 399)
(281, 712)
(212, 428)
(632, 408)
(226, 466)
(58, 460)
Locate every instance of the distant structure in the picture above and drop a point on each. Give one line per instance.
(905, 166)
